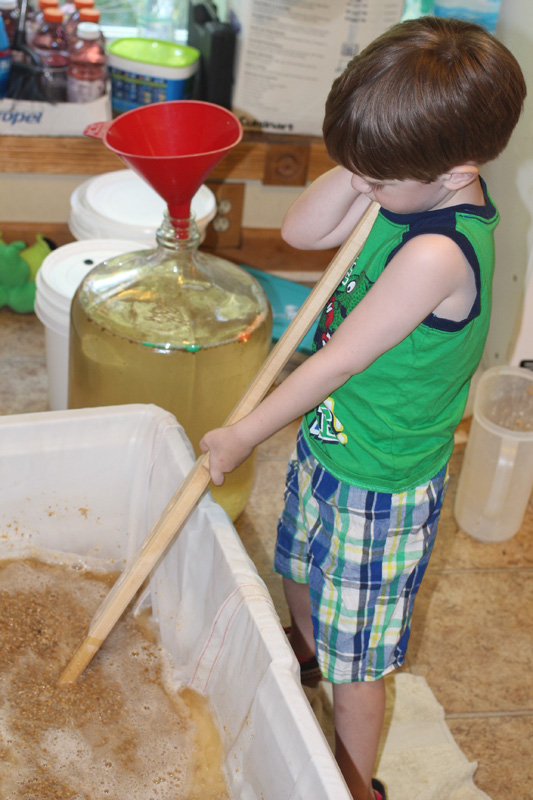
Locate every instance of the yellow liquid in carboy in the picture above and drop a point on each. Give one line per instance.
(200, 387)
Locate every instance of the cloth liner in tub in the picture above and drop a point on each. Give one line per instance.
(92, 482)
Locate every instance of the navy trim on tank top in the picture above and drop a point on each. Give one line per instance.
(442, 221)
(484, 212)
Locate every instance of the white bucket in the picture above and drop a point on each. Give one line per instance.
(59, 276)
(121, 205)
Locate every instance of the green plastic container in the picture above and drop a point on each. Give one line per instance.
(145, 71)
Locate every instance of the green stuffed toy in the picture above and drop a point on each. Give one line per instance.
(18, 267)
(35, 255)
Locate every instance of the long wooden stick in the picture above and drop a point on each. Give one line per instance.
(190, 491)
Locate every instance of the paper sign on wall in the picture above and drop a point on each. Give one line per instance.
(290, 51)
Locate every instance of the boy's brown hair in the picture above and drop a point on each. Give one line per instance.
(428, 95)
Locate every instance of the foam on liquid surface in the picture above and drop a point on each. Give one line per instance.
(122, 732)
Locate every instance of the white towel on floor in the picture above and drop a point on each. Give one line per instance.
(418, 758)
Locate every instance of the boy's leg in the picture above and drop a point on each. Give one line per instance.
(361, 606)
(359, 709)
(301, 636)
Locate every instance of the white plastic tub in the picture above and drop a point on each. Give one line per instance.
(93, 482)
(59, 276)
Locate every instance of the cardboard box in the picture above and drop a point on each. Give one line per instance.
(92, 482)
(33, 118)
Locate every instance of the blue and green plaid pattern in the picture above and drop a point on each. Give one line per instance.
(363, 554)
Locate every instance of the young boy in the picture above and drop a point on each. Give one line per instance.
(409, 123)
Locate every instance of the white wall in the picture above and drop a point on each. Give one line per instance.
(510, 180)
(46, 198)
(37, 198)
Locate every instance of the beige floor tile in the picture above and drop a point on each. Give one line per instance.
(472, 639)
(23, 386)
(22, 335)
(257, 525)
(501, 745)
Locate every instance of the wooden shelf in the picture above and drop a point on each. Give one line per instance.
(297, 159)
(276, 160)
(262, 248)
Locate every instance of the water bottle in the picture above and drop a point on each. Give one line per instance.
(5, 59)
(92, 14)
(50, 44)
(34, 23)
(72, 22)
(68, 8)
(87, 65)
(89, 14)
(157, 20)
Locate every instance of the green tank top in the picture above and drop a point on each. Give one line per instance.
(391, 427)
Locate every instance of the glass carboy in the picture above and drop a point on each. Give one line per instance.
(176, 327)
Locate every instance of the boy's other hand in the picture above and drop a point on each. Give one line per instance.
(226, 451)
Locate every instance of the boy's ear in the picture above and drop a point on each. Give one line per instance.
(459, 177)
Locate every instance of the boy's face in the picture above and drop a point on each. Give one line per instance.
(404, 197)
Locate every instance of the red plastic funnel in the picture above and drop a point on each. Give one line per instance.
(172, 145)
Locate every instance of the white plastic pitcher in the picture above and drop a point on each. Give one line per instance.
(497, 474)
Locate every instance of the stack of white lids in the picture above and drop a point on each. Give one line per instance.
(121, 205)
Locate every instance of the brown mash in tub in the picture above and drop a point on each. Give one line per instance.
(123, 731)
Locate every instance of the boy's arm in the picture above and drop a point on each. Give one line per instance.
(427, 272)
(325, 213)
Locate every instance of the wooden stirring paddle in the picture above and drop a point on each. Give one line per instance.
(190, 491)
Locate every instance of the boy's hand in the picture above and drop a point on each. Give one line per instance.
(227, 450)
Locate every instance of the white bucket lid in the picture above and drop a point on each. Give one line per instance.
(121, 204)
(63, 270)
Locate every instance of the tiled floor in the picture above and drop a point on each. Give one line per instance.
(472, 633)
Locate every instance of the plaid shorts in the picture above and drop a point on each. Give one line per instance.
(363, 554)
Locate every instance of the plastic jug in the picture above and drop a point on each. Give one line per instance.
(497, 474)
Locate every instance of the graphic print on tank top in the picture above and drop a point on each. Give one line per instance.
(326, 426)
